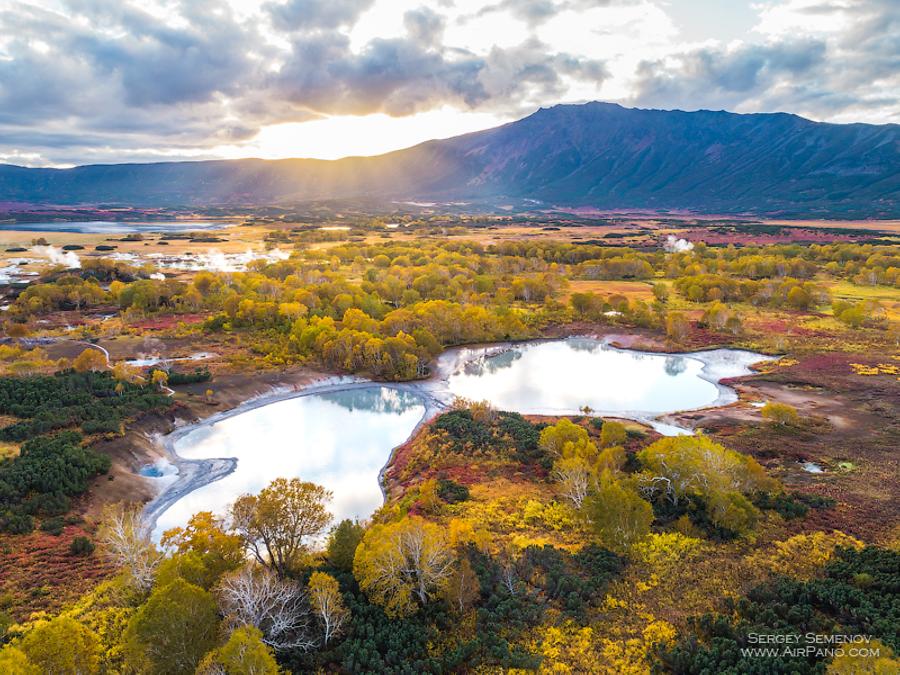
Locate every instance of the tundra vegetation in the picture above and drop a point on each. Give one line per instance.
(506, 542)
(515, 576)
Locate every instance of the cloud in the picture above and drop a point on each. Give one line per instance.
(724, 77)
(91, 80)
(306, 15)
(425, 26)
(825, 60)
(137, 58)
(100, 80)
(400, 76)
(535, 12)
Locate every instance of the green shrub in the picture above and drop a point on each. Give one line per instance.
(451, 491)
(53, 525)
(81, 546)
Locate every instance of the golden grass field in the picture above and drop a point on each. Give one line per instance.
(633, 290)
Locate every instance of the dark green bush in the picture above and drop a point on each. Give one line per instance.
(857, 595)
(53, 525)
(81, 546)
(451, 491)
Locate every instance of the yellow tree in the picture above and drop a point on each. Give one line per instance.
(677, 466)
(243, 654)
(400, 563)
(328, 604)
(122, 372)
(173, 630)
(554, 437)
(62, 646)
(463, 588)
(781, 414)
(617, 514)
(276, 524)
(575, 468)
(205, 536)
(89, 359)
(159, 378)
(612, 433)
(680, 467)
(677, 326)
(876, 658)
(14, 662)
(428, 496)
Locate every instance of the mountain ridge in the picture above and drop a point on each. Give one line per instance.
(595, 154)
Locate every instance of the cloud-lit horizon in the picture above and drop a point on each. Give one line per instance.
(88, 81)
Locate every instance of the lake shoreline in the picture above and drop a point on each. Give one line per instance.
(434, 394)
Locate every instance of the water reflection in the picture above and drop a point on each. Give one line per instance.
(492, 364)
(373, 399)
(563, 376)
(339, 440)
(675, 365)
(584, 344)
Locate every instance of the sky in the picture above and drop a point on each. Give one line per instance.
(93, 81)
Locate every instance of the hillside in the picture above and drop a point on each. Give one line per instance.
(597, 154)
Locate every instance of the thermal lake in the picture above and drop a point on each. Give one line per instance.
(341, 435)
(340, 440)
(562, 377)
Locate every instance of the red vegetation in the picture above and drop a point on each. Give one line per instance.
(786, 236)
(38, 573)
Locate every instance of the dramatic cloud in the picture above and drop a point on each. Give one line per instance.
(401, 76)
(826, 59)
(305, 15)
(131, 80)
(425, 26)
(535, 12)
(725, 77)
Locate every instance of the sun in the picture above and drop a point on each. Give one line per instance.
(351, 135)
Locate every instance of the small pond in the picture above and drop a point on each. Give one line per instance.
(562, 377)
(161, 468)
(340, 440)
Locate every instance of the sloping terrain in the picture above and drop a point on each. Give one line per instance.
(597, 154)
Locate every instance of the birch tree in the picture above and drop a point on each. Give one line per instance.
(402, 564)
(244, 653)
(327, 603)
(125, 540)
(574, 476)
(256, 596)
(617, 514)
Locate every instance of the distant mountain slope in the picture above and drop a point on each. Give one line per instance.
(596, 154)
